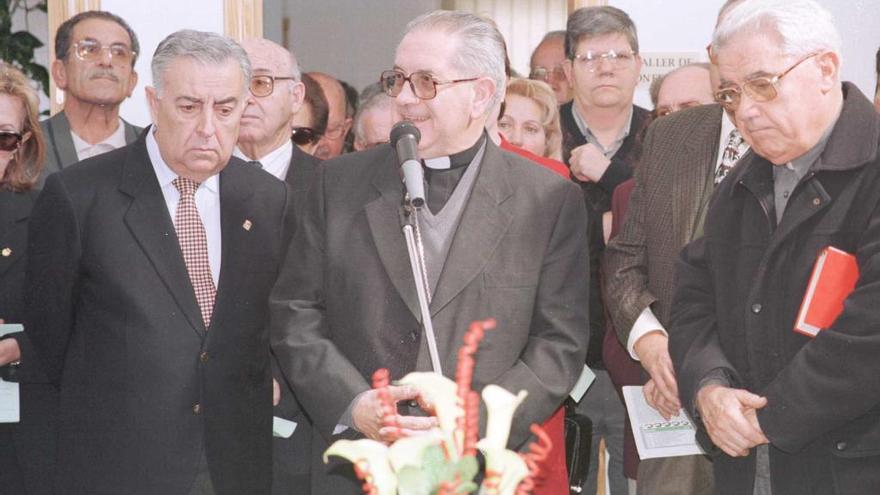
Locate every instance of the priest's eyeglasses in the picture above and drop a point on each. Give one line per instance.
(760, 89)
(422, 83)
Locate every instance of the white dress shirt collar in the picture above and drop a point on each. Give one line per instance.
(85, 150)
(276, 162)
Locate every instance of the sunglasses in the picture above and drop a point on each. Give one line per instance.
(304, 135)
(10, 141)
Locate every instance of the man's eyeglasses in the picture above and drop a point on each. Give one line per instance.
(263, 85)
(760, 89)
(617, 60)
(422, 84)
(10, 141)
(304, 135)
(544, 74)
(89, 50)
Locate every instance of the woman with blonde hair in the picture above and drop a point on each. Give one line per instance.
(26, 447)
(531, 118)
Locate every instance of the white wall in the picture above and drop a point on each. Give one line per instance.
(153, 21)
(353, 40)
(685, 26)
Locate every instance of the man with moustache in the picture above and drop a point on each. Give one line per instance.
(95, 53)
(345, 304)
(780, 411)
(276, 96)
(147, 292)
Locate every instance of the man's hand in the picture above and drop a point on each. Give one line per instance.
(662, 391)
(9, 350)
(366, 416)
(276, 392)
(730, 416)
(587, 163)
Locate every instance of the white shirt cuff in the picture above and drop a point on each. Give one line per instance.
(645, 323)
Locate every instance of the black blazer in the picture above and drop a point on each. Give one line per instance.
(345, 304)
(291, 456)
(145, 387)
(27, 448)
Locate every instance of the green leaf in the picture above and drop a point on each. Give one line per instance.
(468, 467)
(26, 40)
(412, 480)
(467, 487)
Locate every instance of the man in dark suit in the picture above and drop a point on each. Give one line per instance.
(276, 95)
(502, 238)
(95, 53)
(162, 390)
(602, 132)
(785, 413)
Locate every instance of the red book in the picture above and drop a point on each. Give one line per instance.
(834, 277)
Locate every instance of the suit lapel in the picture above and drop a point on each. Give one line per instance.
(234, 198)
(60, 140)
(149, 222)
(482, 226)
(691, 174)
(384, 218)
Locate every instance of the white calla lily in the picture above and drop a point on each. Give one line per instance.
(441, 393)
(500, 407)
(506, 464)
(408, 451)
(374, 454)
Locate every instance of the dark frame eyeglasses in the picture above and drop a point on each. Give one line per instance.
(263, 85)
(759, 89)
(422, 83)
(304, 135)
(10, 141)
(89, 50)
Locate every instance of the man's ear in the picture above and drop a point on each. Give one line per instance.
(132, 82)
(298, 91)
(484, 90)
(152, 102)
(59, 74)
(829, 69)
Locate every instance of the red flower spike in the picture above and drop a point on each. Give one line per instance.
(472, 423)
(464, 372)
(535, 459)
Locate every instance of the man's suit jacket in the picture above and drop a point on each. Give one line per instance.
(27, 448)
(737, 293)
(345, 304)
(291, 457)
(680, 152)
(60, 150)
(145, 387)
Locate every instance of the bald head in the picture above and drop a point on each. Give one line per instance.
(338, 125)
(685, 87)
(266, 121)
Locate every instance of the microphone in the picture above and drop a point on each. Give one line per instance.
(405, 139)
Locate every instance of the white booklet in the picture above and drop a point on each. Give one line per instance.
(9, 402)
(655, 436)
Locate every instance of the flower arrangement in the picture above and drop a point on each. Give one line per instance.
(443, 461)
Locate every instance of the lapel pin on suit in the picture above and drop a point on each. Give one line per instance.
(247, 225)
(6, 252)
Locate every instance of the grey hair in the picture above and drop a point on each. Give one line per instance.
(589, 22)
(803, 25)
(372, 97)
(481, 50)
(207, 48)
(654, 89)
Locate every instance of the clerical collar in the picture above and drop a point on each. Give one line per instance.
(456, 160)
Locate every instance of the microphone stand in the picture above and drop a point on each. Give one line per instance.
(416, 250)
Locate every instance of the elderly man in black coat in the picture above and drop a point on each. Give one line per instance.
(789, 413)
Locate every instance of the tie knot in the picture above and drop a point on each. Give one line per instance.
(255, 163)
(186, 187)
